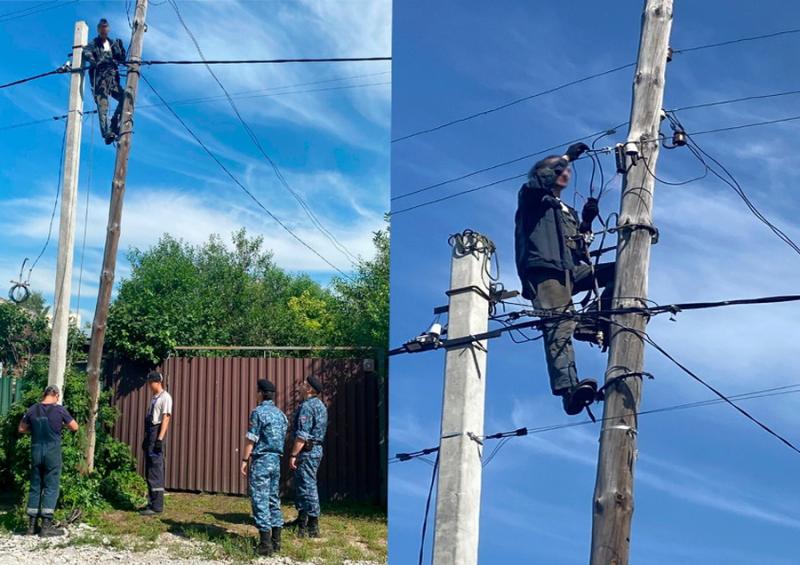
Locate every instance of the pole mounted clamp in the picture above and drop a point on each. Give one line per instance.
(654, 234)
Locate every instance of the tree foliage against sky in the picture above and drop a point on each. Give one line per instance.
(215, 294)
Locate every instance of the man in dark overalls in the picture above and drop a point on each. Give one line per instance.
(156, 423)
(261, 464)
(553, 264)
(45, 420)
(310, 424)
(103, 56)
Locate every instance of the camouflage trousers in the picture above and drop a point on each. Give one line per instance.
(305, 481)
(107, 84)
(264, 489)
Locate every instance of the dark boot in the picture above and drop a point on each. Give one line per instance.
(49, 530)
(265, 543)
(580, 396)
(33, 526)
(313, 526)
(302, 524)
(276, 539)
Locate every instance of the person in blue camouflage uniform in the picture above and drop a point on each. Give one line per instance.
(310, 424)
(266, 434)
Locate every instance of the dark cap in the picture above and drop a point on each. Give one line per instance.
(314, 382)
(264, 386)
(155, 377)
(102, 22)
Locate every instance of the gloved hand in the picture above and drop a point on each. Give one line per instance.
(590, 211)
(145, 445)
(576, 150)
(158, 446)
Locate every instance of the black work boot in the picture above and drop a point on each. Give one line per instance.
(302, 524)
(313, 526)
(276, 539)
(580, 396)
(265, 543)
(49, 530)
(33, 526)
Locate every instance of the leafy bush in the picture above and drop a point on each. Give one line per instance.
(113, 482)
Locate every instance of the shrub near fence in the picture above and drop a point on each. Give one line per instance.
(10, 392)
(213, 397)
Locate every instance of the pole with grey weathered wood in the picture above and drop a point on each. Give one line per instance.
(113, 229)
(613, 495)
(66, 229)
(460, 449)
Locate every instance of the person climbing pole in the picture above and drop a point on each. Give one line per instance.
(104, 55)
(553, 264)
(45, 421)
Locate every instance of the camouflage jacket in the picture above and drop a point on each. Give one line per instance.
(267, 429)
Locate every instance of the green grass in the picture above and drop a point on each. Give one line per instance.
(224, 523)
(349, 531)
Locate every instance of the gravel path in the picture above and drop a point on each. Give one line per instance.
(17, 549)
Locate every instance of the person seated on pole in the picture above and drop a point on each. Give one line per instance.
(553, 264)
(104, 55)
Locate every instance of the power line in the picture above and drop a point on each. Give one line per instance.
(254, 138)
(269, 61)
(511, 103)
(526, 431)
(735, 100)
(240, 185)
(57, 71)
(248, 94)
(580, 80)
(31, 10)
(468, 191)
(504, 163)
(739, 40)
(55, 204)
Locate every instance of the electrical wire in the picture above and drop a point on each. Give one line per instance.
(526, 431)
(55, 205)
(57, 71)
(511, 103)
(427, 509)
(733, 41)
(735, 100)
(269, 61)
(254, 138)
(31, 10)
(240, 185)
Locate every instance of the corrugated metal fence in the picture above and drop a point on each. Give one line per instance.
(212, 399)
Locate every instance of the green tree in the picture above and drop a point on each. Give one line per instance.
(24, 333)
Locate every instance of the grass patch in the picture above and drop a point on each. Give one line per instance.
(225, 526)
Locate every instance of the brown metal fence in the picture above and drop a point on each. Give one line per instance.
(212, 399)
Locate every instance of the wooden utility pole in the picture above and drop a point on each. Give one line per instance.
(613, 495)
(113, 230)
(458, 496)
(66, 230)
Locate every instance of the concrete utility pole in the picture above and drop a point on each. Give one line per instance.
(458, 496)
(113, 230)
(66, 230)
(613, 495)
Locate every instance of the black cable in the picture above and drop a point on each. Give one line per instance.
(745, 413)
(503, 164)
(750, 125)
(512, 103)
(668, 183)
(427, 509)
(457, 194)
(269, 61)
(521, 432)
(31, 10)
(55, 204)
(735, 100)
(254, 138)
(35, 77)
(239, 184)
(732, 41)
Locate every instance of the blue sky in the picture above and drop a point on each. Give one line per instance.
(330, 139)
(710, 486)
